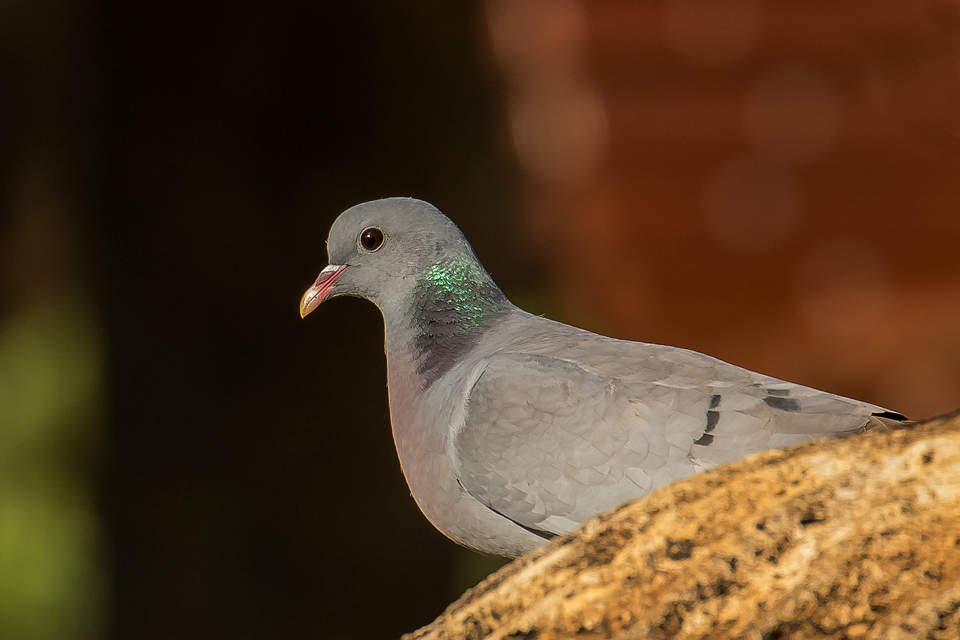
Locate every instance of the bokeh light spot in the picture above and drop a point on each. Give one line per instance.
(842, 288)
(751, 205)
(560, 132)
(791, 114)
(709, 33)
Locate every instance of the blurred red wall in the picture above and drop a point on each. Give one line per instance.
(776, 184)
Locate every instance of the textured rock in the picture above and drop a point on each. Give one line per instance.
(851, 538)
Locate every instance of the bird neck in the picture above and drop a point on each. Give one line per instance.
(452, 306)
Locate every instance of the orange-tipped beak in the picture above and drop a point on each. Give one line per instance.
(320, 289)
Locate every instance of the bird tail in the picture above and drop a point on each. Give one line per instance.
(886, 420)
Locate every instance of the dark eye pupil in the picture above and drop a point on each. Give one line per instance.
(371, 239)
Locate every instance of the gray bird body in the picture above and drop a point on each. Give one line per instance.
(512, 428)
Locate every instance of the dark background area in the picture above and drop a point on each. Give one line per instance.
(245, 475)
(181, 456)
(253, 489)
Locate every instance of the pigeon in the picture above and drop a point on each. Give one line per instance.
(512, 428)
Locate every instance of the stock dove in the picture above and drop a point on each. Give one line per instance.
(512, 428)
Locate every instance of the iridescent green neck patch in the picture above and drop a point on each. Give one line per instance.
(453, 304)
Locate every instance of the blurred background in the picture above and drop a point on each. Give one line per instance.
(181, 456)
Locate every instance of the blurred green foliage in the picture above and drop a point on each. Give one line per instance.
(51, 399)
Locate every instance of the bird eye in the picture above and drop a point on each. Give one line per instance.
(371, 239)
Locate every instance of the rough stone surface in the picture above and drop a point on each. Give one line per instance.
(839, 538)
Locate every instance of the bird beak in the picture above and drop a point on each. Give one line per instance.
(321, 288)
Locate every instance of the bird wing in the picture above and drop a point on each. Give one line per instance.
(548, 442)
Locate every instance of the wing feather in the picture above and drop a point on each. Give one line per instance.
(548, 443)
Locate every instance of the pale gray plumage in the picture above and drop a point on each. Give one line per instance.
(512, 428)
